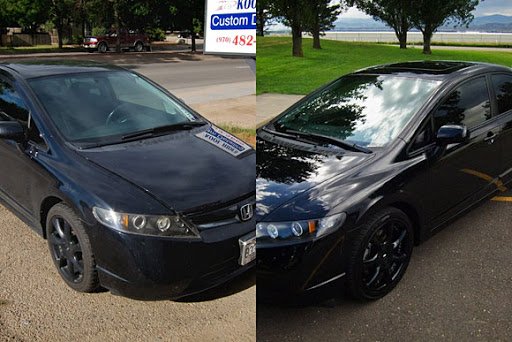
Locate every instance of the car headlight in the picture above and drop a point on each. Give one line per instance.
(157, 225)
(300, 229)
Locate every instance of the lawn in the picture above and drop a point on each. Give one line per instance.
(278, 72)
(246, 134)
(7, 50)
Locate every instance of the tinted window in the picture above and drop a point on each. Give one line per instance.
(369, 110)
(423, 138)
(100, 107)
(502, 85)
(468, 105)
(34, 135)
(11, 104)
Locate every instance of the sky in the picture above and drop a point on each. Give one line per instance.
(487, 7)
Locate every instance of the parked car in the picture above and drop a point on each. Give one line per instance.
(188, 35)
(350, 178)
(130, 40)
(133, 190)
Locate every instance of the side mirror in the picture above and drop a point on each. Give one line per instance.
(452, 134)
(12, 130)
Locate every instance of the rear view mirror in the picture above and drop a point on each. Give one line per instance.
(452, 134)
(12, 130)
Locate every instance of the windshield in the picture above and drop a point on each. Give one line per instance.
(102, 107)
(367, 110)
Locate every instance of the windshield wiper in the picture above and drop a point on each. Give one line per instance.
(164, 129)
(319, 137)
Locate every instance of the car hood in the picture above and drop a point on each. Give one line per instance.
(180, 170)
(286, 170)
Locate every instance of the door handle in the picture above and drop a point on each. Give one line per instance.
(490, 138)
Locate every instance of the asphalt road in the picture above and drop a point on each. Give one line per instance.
(35, 305)
(458, 287)
(196, 78)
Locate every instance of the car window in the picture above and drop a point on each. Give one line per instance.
(369, 110)
(34, 134)
(502, 85)
(101, 107)
(423, 138)
(11, 103)
(468, 105)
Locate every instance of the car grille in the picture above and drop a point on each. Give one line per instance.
(226, 213)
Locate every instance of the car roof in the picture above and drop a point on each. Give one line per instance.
(434, 69)
(40, 68)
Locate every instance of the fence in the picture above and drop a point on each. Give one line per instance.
(23, 39)
(416, 37)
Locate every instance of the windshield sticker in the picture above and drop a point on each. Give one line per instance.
(224, 141)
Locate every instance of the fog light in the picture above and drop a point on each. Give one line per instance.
(272, 231)
(297, 229)
(163, 223)
(139, 222)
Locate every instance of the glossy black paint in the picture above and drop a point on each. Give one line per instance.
(297, 181)
(175, 173)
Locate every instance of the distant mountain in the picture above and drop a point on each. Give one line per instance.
(490, 23)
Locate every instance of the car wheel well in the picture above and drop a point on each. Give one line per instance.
(47, 204)
(411, 212)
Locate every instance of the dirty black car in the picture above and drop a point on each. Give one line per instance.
(133, 190)
(350, 178)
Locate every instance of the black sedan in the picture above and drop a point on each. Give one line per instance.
(134, 191)
(350, 178)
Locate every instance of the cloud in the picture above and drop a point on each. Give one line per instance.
(487, 7)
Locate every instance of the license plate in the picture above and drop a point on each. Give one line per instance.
(247, 249)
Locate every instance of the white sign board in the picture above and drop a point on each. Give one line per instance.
(230, 27)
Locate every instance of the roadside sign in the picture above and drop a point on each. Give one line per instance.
(230, 27)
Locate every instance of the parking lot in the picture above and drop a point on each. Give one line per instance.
(36, 305)
(458, 287)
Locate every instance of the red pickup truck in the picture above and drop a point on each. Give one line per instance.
(129, 41)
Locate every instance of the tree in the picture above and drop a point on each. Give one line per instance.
(323, 14)
(294, 14)
(262, 16)
(429, 15)
(189, 14)
(395, 13)
(61, 12)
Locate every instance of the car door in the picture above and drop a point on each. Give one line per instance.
(501, 85)
(19, 174)
(460, 174)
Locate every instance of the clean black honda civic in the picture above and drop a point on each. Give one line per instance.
(350, 178)
(134, 191)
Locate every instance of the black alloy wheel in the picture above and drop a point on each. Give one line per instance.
(380, 254)
(139, 47)
(70, 249)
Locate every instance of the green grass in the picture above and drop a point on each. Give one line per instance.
(278, 72)
(246, 134)
(7, 50)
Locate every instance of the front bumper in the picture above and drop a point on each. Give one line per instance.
(301, 267)
(152, 268)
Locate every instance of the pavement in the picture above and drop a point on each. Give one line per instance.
(271, 105)
(36, 305)
(458, 286)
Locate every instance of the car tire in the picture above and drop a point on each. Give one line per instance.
(103, 47)
(70, 249)
(379, 254)
(139, 47)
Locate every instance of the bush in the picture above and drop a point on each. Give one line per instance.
(98, 31)
(77, 39)
(156, 34)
